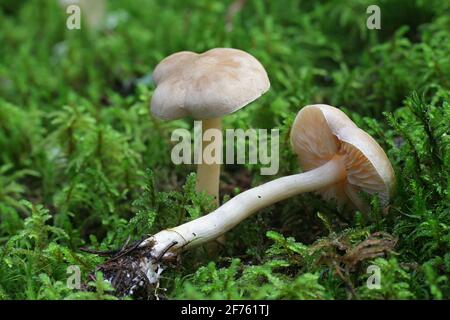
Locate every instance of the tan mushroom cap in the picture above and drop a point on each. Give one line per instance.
(207, 85)
(320, 132)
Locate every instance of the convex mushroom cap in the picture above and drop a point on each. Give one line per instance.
(321, 132)
(207, 85)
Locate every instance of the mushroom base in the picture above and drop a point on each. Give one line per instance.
(135, 271)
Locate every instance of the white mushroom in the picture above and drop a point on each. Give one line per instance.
(207, 87)
(339, 160)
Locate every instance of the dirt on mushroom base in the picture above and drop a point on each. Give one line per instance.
(133, 270)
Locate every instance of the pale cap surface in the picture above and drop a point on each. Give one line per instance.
(207, 85)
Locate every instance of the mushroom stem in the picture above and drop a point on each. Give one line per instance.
(208, 175)
(216, 223)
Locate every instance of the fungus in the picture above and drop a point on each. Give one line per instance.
(339, 160)
(207, 86)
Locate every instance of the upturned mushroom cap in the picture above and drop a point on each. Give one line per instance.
(207, 85)
(320, 132)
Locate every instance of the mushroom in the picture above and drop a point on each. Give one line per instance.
(339, 160)
(207, 86)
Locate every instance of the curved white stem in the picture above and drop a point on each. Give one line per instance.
(216, 223)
